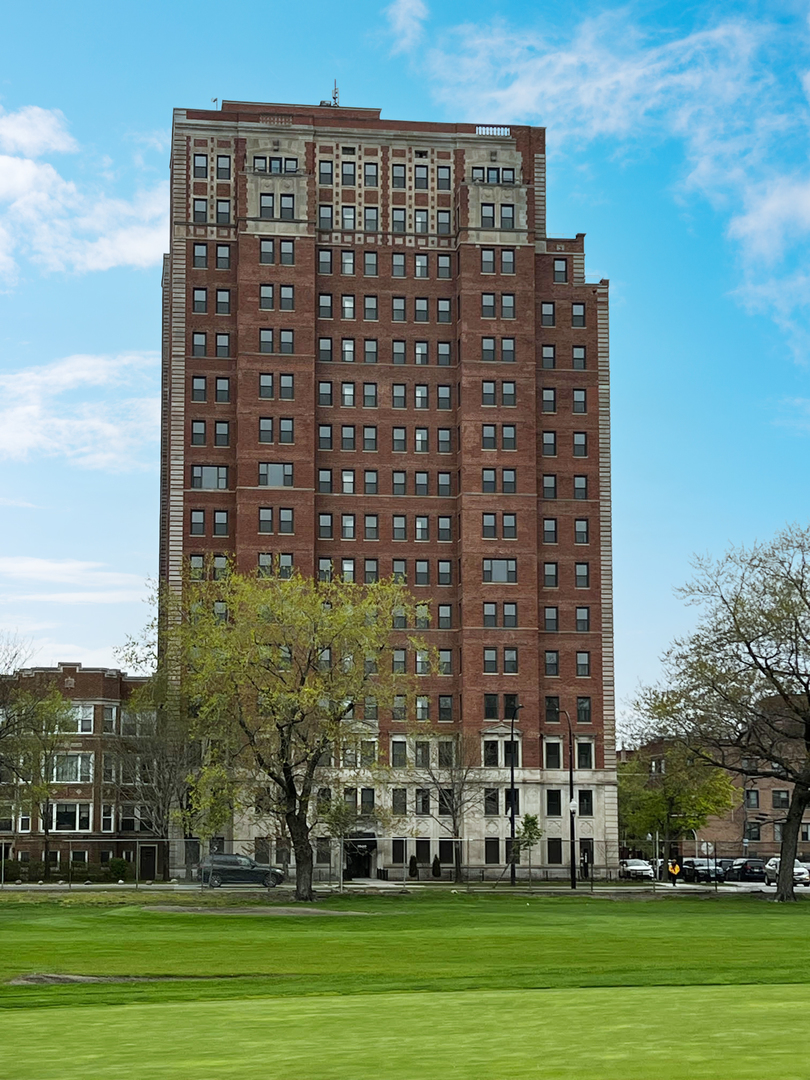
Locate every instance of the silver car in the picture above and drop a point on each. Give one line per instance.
(636, 869)
(801, 876)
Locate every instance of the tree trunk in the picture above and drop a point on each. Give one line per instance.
(790, 842)
(299, 834)
(46, 818)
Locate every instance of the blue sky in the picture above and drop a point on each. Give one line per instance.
(678, 141)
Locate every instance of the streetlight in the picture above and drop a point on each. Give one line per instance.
(572, 806)
(512, 874)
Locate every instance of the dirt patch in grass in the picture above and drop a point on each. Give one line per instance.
(275, 910)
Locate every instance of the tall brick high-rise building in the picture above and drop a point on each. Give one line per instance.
(377, 361)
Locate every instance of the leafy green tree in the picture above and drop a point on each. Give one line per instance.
(277, 674)
(671, 791)
(737, 689)
(527, 836)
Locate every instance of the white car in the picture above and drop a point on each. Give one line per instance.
(636, 869)
(801, 875)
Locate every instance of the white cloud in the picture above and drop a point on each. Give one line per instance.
(32, 131)
(730, 93)
(64, 226)
(64, 571)
(77, 408)
(406, 18)
(18, 503)
(111, 597)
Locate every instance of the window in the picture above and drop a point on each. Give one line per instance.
(487, 215)
(198, 388)
(549, 530)
(423, 807)
(370, 482)
(287, 248)
(552, 662)
(397, 176)
(551, 620)
(324, 217)
(583, 710)
(554, 802)
(443, 397)
(487, 305)
(582, 575)
(552, 711)
(549, 358)
(198, 433)
(500, 570)
(73, 768)
(325, 173)
(397, 220)
(220, 523)
(420, 312)
(577, 314)
(549, 444)
(443, 178)
(578, 358)
(443, 267)
(491, 748)
(286, 341)
(371, 528)
(550, 575)
(584, 755)
(223, 167)
(443, 484)
(547, 315)
(200, 166)
(265, 519)
(200, 257)
(398, 483)
(370, 174)
(267, 204)
(197, 523)
(209, 477)
(286, 431)
(223, 301)
(222, 433)
(580, 444)
(489, 439)
(507, 261)
(71, 817)
(581, 531)
(421, 441)
(277, 476)
(420, 396)
(561, 271)
(781, 799)
(549, 400)
(199, 301)
(347, 173)
(347, 437)
(287, 207)
(370, 264)
(445, 616)
(420, 221)
(580, 487)
(422, 574)
(325, 527)
(369, 437)
(507, 305)
(398, 352)
(507, 216)
(200, 211)
(347, 523)
(445, 529)
(751, 799)
(583, 619)
(223, 211)
(398, 310)
(510, 661)
(490, 661)
(265, 429)
(421, 527)
(752, 831)
(444, 313)
(508, 437)
(554, 852)
(399, 529)
(579, 402)
(325, 481)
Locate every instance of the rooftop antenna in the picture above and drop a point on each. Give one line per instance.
(215, 101)
(336, 95)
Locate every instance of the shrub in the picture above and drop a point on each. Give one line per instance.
(436, 867)
(120, 868)
(413, 867)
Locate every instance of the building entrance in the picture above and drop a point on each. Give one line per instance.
(359, 850)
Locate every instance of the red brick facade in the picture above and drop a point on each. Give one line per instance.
(467, 353)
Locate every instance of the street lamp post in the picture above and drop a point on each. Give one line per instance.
(512, 874)
(572, 806)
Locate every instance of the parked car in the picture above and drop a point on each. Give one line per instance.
(636, 869)
(746, 870)
(702, 870)
(219, 870)
(801, 875)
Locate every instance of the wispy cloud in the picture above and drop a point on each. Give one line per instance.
(64, 572)
(406, 19)
(100, 412)
(60, 224)
(732, 92)
(32, 131)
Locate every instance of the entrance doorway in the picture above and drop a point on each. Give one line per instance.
(148, 863)
(358, 853)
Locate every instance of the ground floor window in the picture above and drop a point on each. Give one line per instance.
(492, 851)
(555, 852)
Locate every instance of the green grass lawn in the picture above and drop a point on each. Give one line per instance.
(417, 986)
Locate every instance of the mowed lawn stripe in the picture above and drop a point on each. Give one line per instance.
(633, 1034)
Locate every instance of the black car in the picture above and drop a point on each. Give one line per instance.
(219, 870)
(702, 870)
(746, 870)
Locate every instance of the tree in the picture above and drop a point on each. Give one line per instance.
(671, 791)
(737, 689)
(34, 726)
(448, 767)
(527, 836)
(276, 674)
